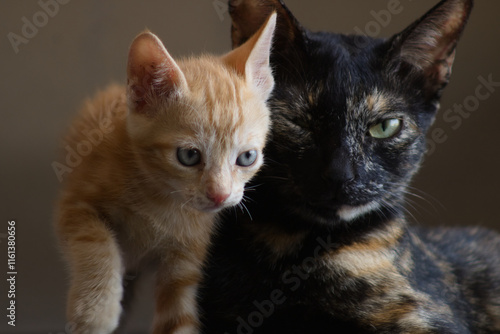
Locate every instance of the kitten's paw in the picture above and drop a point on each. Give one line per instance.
(102, 325)
(185, 329)
(98, 316)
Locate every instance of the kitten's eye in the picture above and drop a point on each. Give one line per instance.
(386, 129)
(188, 156)
(247, 159)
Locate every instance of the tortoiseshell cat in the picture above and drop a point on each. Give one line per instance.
(328, 249)
(183, 140)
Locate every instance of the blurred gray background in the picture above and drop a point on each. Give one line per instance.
(82, 47)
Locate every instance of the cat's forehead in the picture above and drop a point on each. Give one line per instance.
(351, 83)
(351, 100)
(375, 103)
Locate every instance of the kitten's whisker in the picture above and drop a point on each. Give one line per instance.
(239, 206)
(253, 187)
(249, 199)
(276, 162)
(246, 209)
(276, 178)
(186, 202)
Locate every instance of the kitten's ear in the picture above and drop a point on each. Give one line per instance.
(251, 59)
(152, 74)
(429, 44)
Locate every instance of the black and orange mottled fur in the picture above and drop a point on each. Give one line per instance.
(328, 248)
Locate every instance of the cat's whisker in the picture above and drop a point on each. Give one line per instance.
(411, 190)
(415, 205)
(432, 201)
(394, 207)
(381, 211)
(421, 204)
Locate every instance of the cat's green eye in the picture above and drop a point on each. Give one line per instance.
(386, 129)
(247, 158)
(188, 156)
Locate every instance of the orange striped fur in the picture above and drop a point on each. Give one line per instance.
(130, 200)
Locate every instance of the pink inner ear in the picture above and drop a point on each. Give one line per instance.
(258, 62)
(137, 96)
(251, 59)
(153, 74)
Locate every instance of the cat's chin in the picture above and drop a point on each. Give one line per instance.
(349, 213)
(338, 213)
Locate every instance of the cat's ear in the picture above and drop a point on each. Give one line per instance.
(289, 43)
(251, 59)
(249, 15)
(429, 44)
(152, 74)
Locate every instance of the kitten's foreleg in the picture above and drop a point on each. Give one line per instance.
(96, 275)
(176, 307)
(130, 280)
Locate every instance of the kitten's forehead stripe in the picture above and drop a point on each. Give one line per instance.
(221, 97)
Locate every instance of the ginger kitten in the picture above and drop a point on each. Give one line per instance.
(184, 137)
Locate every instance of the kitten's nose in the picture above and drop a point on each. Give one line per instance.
(217, 198)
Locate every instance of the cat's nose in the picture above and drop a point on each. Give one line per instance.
(340, 168)
(217, 198)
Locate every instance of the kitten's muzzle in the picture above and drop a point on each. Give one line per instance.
(218, 198)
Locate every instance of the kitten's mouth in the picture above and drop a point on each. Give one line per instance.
(214, 209)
